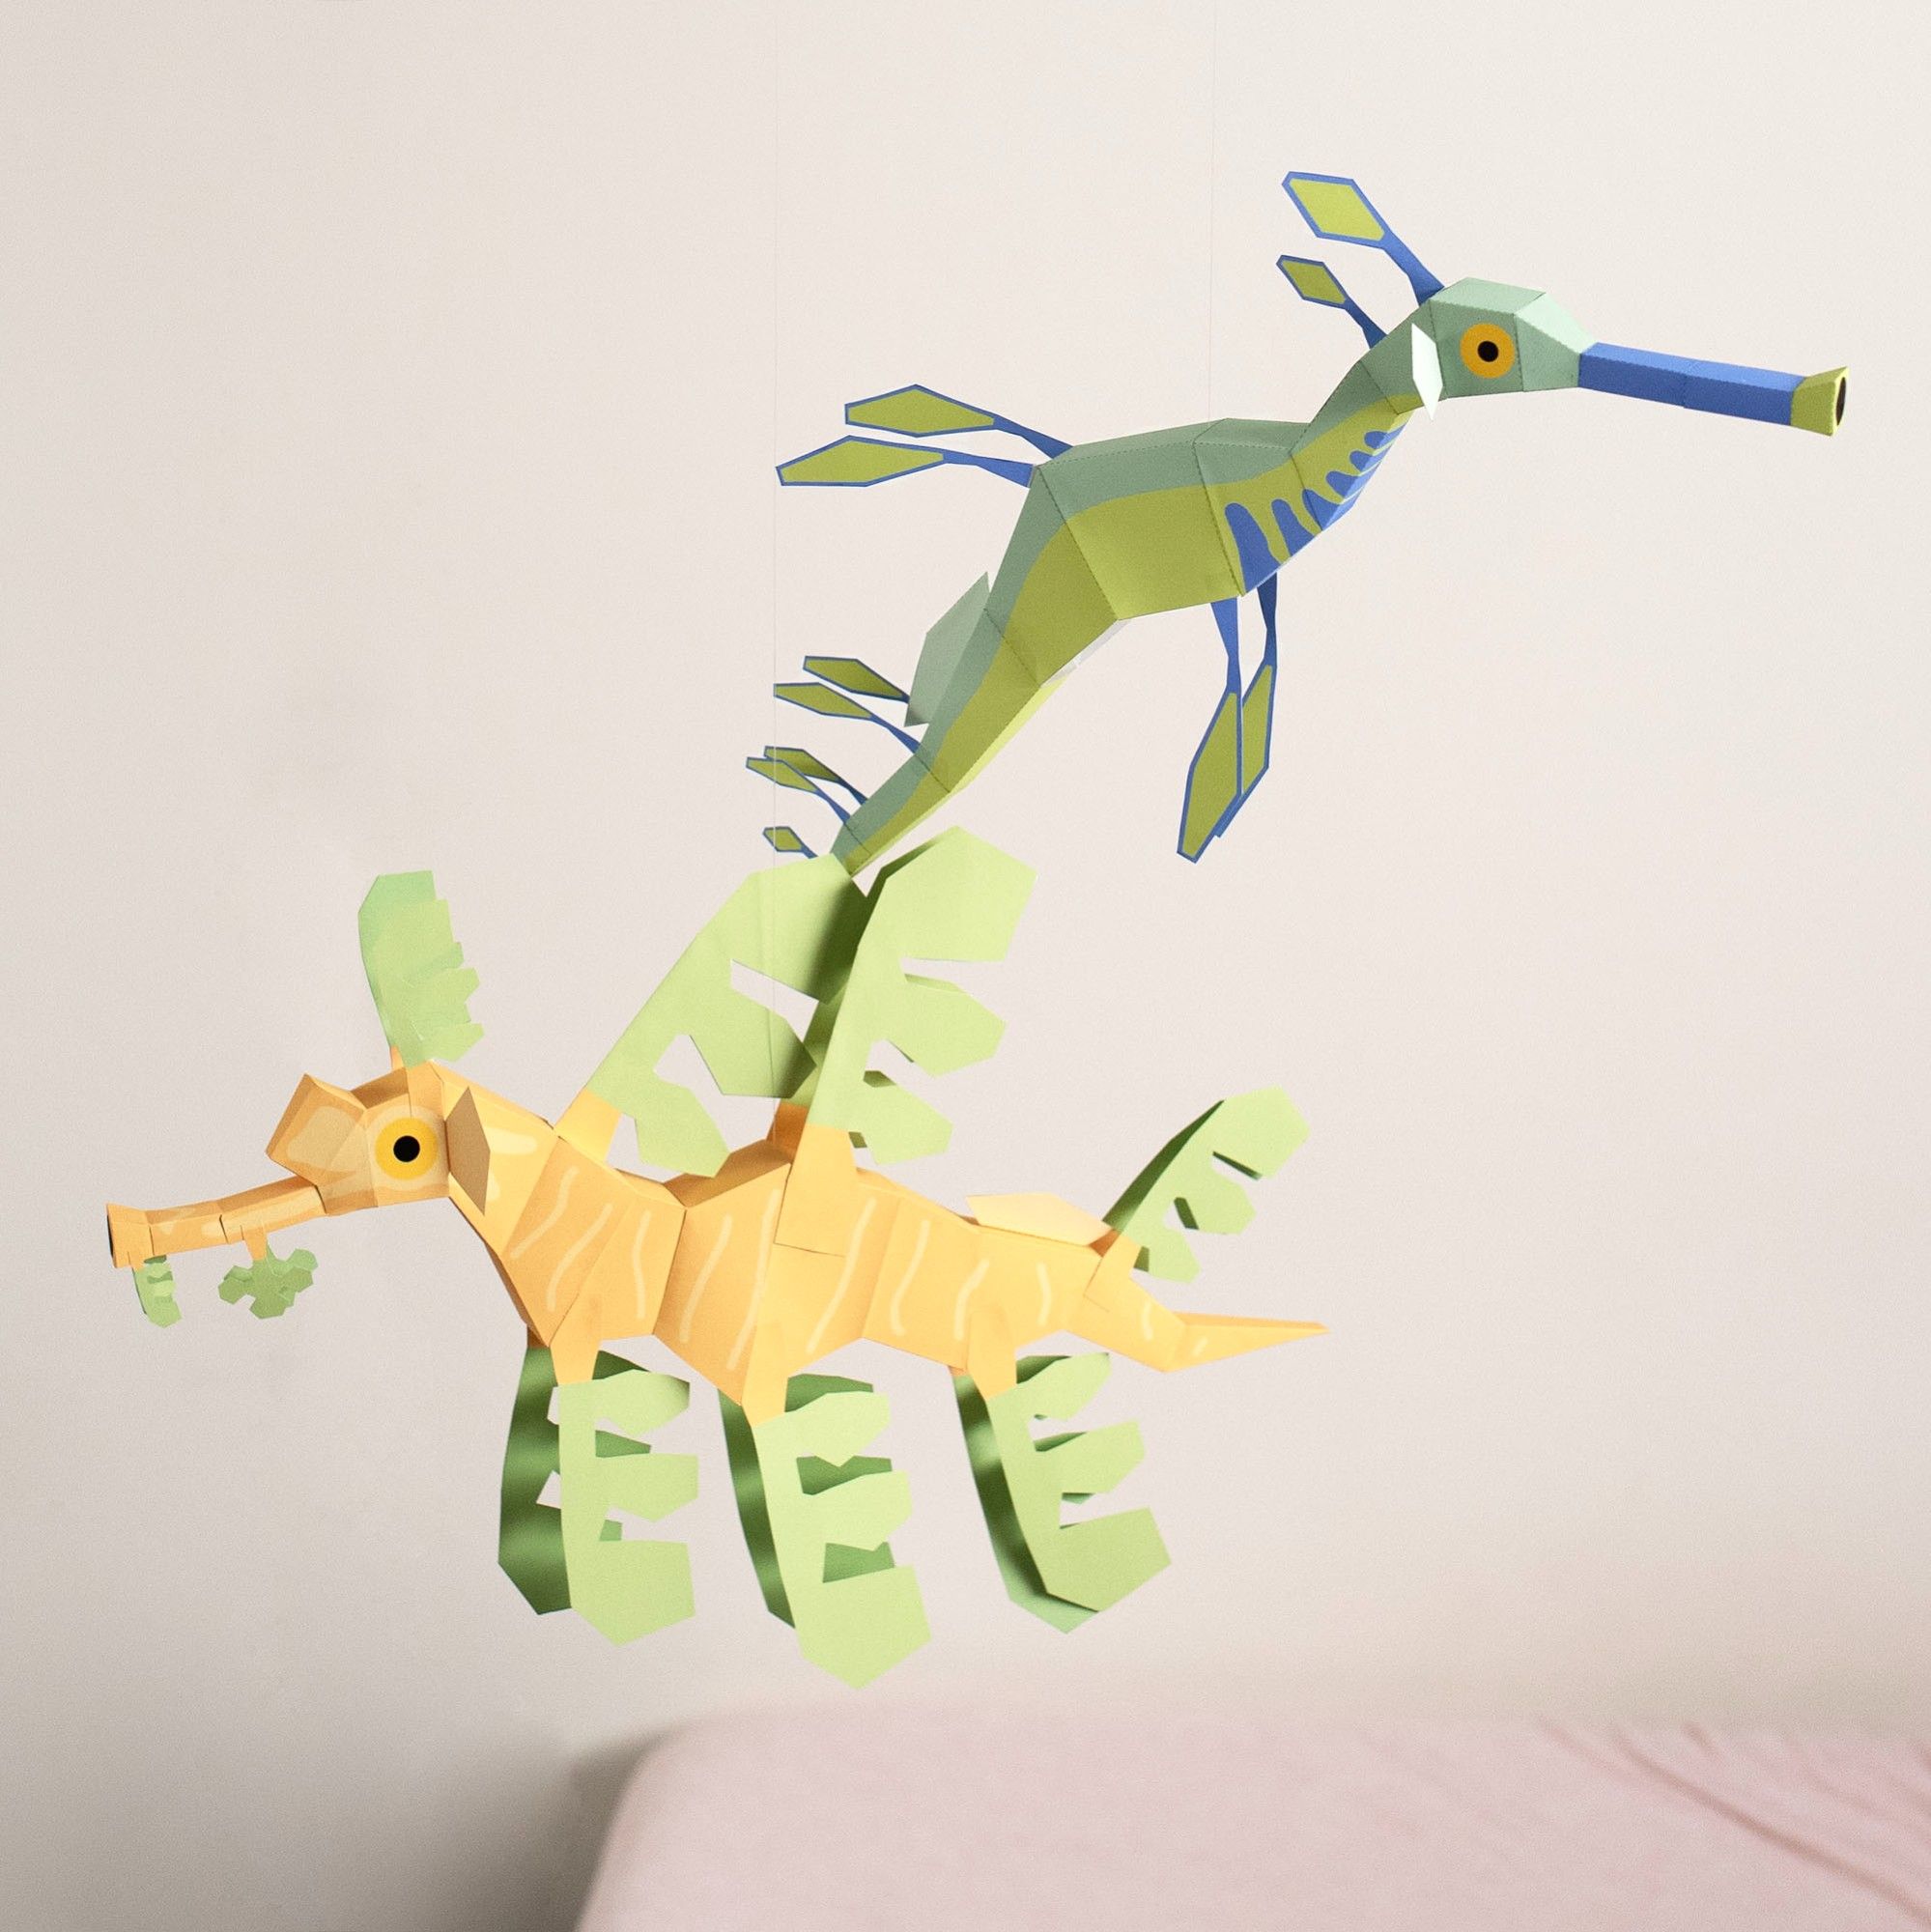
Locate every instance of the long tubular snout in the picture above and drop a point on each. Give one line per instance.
(1726, 388)
(134, 1236)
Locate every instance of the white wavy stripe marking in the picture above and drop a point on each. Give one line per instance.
(742, 1341)
(637, 1266)
(845, 1274)
(703, 1280)
(971, 1281)
(570, 1253)
(550, 1220)
(895, 1315)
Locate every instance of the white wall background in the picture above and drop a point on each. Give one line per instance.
(390, 394)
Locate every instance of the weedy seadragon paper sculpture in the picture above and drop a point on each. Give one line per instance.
(754, 1264)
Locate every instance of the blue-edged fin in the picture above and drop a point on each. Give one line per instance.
(1316, 282)
(1213, 778)
(821, 699)
(854, 462)
(808, 764)
(1337, 211)
(1257, 728)
(781, 772)
(917, 410)
(851, 675)
(782, 839)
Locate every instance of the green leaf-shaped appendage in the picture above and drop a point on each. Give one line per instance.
(821, 699)
(782, 772)
(850, 674)
(1060, 1571)
(415, 970)
(153, 1283)
(1313, 281)
(571, 1553)
(956, 897)
(1336, 210)
(624, 1585)
(807, 764)
(796, 925)
(271, 1284)
(782, 839)
(856, 460)
(817, 1515)
(1252, 1134)
(917, 410)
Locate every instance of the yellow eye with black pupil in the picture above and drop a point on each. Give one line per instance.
(1486, 349)
(406, 1148)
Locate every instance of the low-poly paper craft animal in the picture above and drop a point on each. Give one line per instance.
(1206, 513)
(754, 1264)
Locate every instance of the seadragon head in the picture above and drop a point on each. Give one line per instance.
(384, 1142)
(1478, 338)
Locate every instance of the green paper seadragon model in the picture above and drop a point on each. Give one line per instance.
(754, 1264)
(1203, 514)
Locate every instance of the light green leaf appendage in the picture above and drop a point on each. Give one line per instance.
(415, 970)
(153, 1283)
(956, 897)
(271, 1284)
(572, 1553)
(796, 925)
(1251, 1133)
(1062, 1572)
(816, 1515)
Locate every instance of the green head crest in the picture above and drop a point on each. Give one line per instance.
(417, 975)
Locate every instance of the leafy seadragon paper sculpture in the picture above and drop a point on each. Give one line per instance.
(754, 1264)
(1203, 514)
(757, 1263)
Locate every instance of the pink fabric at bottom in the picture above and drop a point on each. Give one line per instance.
(888, 1818)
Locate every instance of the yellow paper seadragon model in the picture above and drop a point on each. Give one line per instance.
(753, 1264)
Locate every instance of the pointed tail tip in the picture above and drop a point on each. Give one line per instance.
(1214, 1338)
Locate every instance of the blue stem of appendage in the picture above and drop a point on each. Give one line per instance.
(1227, 616)
(906, 738)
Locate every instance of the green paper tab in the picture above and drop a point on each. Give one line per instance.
(1250, 1135)
(623, 1586)
(956, 897)
(271, 1284)
(816, 1517)
(796, 925)
(417, 975)
(1059, 1571)
(153, 1283)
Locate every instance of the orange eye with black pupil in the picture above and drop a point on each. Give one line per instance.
(405, 1149)
(1486, 349)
